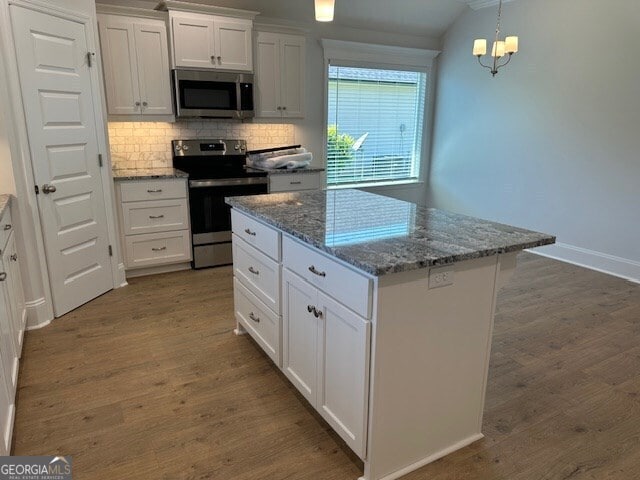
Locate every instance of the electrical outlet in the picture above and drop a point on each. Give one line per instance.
(441, 276)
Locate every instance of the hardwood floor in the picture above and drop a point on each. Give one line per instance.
(148, 381)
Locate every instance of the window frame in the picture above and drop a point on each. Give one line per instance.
(363, 55)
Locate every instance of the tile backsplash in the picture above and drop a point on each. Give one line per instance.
(148, 144)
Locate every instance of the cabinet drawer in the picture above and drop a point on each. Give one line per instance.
(161, 189)
(257, 234)
(155, 216)
(292, 182)
(257, 272)
(261, 323)
(349, 287)
(157, 248)
(6, 227)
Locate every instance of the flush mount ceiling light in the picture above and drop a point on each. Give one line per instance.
(324, 10)
(508, 46)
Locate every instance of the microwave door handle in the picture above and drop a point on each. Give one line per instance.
(238, 99)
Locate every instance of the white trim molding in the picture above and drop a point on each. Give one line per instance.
(168, 5)
(366, 52)
(598, 261)
(38, 314)
(478, 4)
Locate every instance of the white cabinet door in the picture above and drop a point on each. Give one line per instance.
(268, 75)
(292, 73)
(120, 65)
(343, 371)
(6, 417)
(153, 68)
(300, 335)
(18, 310)
(232, 38)
(7, 338)
(193, 40)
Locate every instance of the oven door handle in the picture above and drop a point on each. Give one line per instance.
(225, 182)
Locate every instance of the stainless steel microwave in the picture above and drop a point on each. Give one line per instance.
(209, 94)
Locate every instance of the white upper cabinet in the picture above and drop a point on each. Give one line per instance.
(280, 75)
(211, 41)
(136, 65)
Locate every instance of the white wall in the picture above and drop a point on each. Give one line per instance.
(553, 142)
(7, 184)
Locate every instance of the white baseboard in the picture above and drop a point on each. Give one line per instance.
(142, 272)
(38, 314)
(122, 277)
(600, 262)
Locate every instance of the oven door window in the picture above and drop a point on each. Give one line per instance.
(202, 95)
(209, 213)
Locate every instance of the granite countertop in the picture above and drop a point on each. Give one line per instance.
(5, 200)
(147, 173)
(276, 171)
(383, 235)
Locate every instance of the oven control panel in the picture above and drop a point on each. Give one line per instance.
(208, 147)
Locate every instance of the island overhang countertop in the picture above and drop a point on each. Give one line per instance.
(383, 235)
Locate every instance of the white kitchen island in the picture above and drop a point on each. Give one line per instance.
(380, 312)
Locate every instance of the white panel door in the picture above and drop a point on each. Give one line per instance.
(268, 74)
(292, 73)
(300, 334)
(120, 65)
(58, 100)
(193, 40)
(343, 370)
(233, 43)
(153, 68)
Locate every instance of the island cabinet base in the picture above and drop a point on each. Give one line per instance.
(429, 364)
(397, 367)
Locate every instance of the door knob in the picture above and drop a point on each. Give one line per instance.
(46, 188)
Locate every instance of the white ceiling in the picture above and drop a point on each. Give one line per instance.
(427, 18)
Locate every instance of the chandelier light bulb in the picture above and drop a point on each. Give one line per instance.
(480, 47)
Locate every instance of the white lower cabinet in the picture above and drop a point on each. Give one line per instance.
(294, 182)
(13, 316)
(303, 309)
(154, 222)
(326, 356)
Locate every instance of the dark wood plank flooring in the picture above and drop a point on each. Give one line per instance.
(148, 381)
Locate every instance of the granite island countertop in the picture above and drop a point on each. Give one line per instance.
(147, 173)
(5, 200)
(382, 235)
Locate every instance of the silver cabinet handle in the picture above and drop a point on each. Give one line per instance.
(310, 308)
(249, 232)
(284, 108)
(279, 108)
(7, 226)
(159, 190)
(3, 276)
(14, 257)
(137, 104)
(159, 249)
(46, 188)
(313, 270)
(317, 313)
(156, 216)
(254, 318)
(254, 271)
(144, 104)
(295, 183)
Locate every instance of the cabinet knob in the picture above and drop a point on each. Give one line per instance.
(284, 108)
(14, 257)
(310, 308)
(3, 276)
(254, 318)
(219, 59)
(249, 232)
(144, 104)
(137, 104)
(279, 108)
(254, 271)
(7, 226)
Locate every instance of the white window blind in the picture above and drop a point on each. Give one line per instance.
(375, 123)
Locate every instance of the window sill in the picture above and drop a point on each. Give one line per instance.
(385, 185)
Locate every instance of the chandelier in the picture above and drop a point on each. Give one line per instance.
(500, 49)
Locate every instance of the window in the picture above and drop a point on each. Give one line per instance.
(375, 121)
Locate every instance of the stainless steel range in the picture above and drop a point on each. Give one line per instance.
(216, 170)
